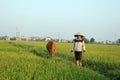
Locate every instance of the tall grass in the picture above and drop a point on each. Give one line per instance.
(30, 61)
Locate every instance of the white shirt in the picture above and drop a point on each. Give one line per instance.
(78, 46)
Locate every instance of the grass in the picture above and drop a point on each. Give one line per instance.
(21, 60)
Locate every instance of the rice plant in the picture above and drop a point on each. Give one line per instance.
(20, 60)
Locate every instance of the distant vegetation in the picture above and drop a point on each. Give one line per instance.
(25, 60)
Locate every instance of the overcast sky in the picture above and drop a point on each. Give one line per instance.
(99, 19)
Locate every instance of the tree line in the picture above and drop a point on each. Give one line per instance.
(92, 40)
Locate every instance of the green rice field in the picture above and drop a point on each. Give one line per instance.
(25, 60)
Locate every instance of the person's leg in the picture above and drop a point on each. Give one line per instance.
(80, 59)
(77, 63)
(80, 63)
(76, 58)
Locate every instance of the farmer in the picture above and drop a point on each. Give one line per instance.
(78, 47)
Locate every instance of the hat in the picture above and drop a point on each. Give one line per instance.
(79, 34)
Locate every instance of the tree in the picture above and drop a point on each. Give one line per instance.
(86, 40)
(92, 40)
(118, 41)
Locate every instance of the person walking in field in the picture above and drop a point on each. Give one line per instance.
(78, 47)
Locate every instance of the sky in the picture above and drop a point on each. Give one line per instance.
(99, 19)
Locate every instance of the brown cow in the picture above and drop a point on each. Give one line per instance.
(51, 47)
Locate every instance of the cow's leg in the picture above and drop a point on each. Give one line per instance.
(52, 55)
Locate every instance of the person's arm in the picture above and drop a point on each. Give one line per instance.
(84, 49)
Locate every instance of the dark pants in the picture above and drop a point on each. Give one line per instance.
(78, 55)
